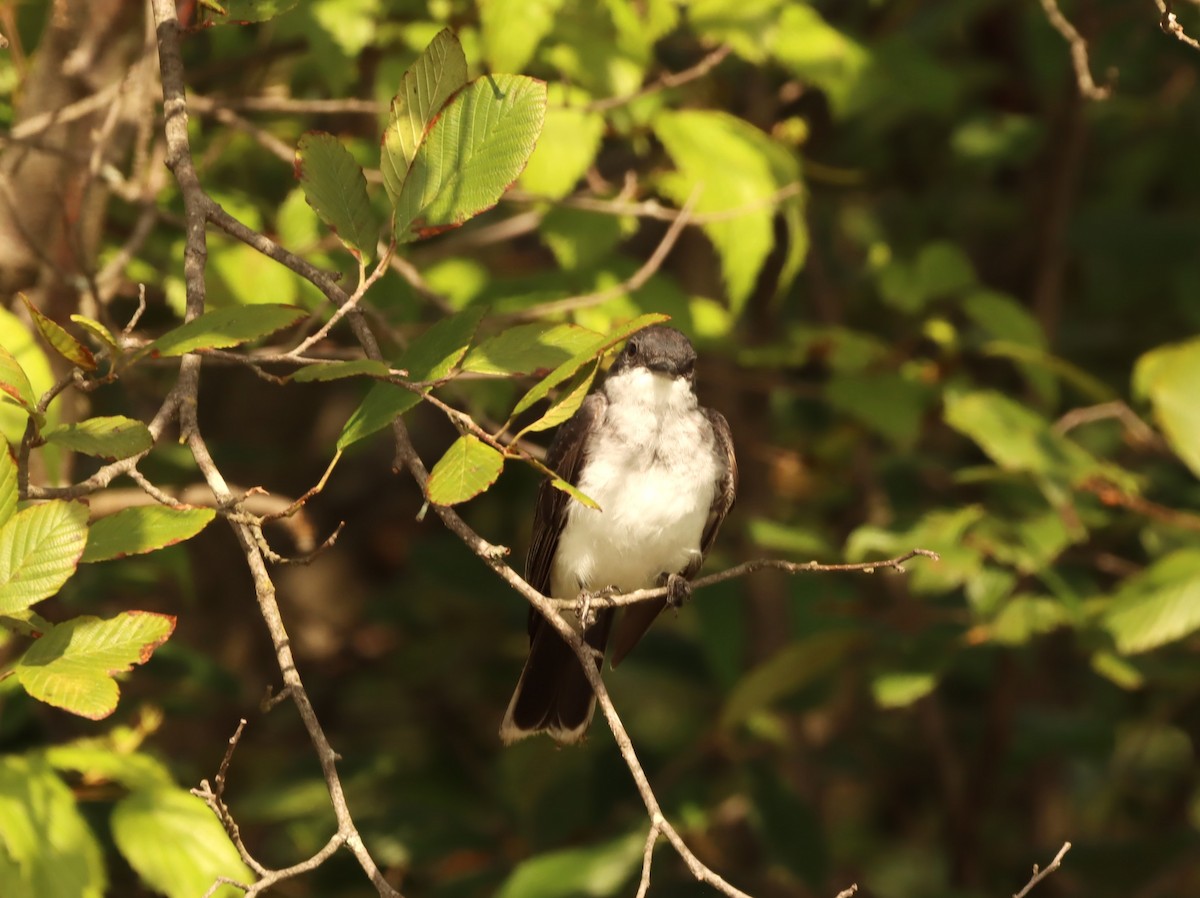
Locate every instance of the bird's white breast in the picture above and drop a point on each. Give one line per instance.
(652, 467)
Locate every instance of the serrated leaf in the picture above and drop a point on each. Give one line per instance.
(241, 12)
(438, 73)
(732, 166)
(529, 348)
(39, 549)
(475, 149)
(109, 438)
(1169, 377)
(14, 382)
(1158, 605)
(568, 403)
(72, 666)
(467, 469)
(335, 187)
(142, 529)
(60, 341)
(222, 328)
(432, 356)
(336, 370)
(47, 849)
(8, 483)
(99, 331)
(542, 388)
(176, 844)
(596, 871)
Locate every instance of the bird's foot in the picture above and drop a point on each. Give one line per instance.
(679, 589)
(583, 607)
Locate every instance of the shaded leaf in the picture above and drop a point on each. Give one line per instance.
(467, 469)
(597, 870)
(529, 348)
(225, 327)
(14, 382)
(432, 356)
(598, 348)
(438, 73)
(61, 341)
(337, 370)
(109, 438)
(1158, 605)
(568, 144)
(39, 549)
(240, 12)
(142, 529)
(335, 187)
(176, 844)
(72, 666)
(47, 849)
(474, 150)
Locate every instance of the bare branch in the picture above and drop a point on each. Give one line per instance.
(1039, 875)
(1079, 53)
(1169, 23)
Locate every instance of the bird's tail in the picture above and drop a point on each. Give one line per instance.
(553, 695)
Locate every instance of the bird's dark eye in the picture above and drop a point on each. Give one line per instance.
(631, 347)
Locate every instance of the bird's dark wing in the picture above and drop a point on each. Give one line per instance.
(565, 457)
(636, 619)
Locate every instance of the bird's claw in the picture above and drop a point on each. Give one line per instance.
(679, 589)
(583, 608)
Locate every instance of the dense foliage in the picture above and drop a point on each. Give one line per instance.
(945, 302)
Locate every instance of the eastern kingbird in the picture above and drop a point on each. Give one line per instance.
(663, 472)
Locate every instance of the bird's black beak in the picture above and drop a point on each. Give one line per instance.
(670, 366)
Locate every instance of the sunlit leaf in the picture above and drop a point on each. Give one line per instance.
(468, 468)
(1170, 378)
(222, 328)
(529, 348)
(900, 689)
(438, 73)
(596, 870)
(141, 529)
(8, 484)
(176, 844)
(14, 382)
(474, 150)
(567, 146)
(99, 331)
(336, 189)
(61, 341)
(72, 665)
(241, 12)
(568, 403)
(1158, 605)
(110, 438)
(39, 549)
(512, 29)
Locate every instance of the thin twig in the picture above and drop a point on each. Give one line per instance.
(1169, 23)
(1079, 52)
(647, 861)
(667, 80)
(1039, 875)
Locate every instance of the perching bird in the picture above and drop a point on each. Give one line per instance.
(663, 472)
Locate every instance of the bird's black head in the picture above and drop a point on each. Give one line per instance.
(661, 349)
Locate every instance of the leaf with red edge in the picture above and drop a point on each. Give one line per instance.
(72, 666)
(60, 341)
(14, 382)
(142, 529)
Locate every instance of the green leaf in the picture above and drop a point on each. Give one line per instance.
(568, 403)
(99, 331)
(142, 529)
(438, 73)
(785, 673)
(8, 484)
(941, 269)
(60, 341)
(72, 666)
(109, 438)
(1158, 605)
(559, 484)
(106, 759)
(529, 348)
(597, 870)
(512, 29)
(432, 356)
(886, 402)
(240, 12)
(567, 146)
(1169, 377)
(225, 327)
(822, 56)
(474, 150)
(734, 166)
(899, 689)
(335, 187)
(176, 844)
(14, 382)
(467, 469)
(1024, 617)
(337, 370)
(39, 549)
(46, 847)
(598, 348)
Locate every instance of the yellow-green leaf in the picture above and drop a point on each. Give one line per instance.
(62, 342)
(142, 529)
(336, 370)
(72, 666)
(14, 382)
(225, 327)
(567, 404)
(99, 331)
(335, 187)
(39, 549)
(529, 348)
(468, 468)
(110, 438)
(8, 484)
(1158, 605)
(1170, 378)
(898, 689)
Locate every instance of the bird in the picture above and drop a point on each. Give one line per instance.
(663, 471)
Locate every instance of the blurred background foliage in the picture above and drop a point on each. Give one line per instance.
(940, 299)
